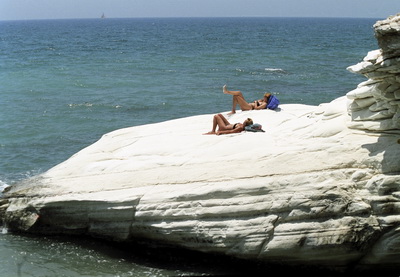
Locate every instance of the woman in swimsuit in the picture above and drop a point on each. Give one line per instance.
(238, 98)
(224, 127)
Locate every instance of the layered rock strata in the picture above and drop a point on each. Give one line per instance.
(375, 104)
(308, 191)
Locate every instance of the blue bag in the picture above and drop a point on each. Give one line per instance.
(273, 102)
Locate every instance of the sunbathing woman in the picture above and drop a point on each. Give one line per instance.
(224, 127)
(244, 105)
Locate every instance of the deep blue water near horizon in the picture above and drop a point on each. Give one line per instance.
(65, 83)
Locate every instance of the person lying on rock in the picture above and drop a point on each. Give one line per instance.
(269, 101)
(224, 127)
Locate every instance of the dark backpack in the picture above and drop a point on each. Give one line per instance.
(254, 128)
(273, 102)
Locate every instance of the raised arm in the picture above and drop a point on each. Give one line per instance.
(262, 106)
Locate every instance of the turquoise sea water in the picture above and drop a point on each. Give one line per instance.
(65, 83)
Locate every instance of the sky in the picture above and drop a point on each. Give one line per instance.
(62, 9)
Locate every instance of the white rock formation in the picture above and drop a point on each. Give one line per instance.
(308, 191)
(375, 104)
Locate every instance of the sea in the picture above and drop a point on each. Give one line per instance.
(65, 83)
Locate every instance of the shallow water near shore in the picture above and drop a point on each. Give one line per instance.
(65, 83)
(68, 256)
(77, 256)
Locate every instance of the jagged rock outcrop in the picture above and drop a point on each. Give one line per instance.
(308, 191)
(375, 104)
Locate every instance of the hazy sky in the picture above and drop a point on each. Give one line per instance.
(54, 9)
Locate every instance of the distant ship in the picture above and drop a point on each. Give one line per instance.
(103, 16)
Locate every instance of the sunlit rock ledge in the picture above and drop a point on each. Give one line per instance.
(307, 191)
(315, 189)
(375, 103)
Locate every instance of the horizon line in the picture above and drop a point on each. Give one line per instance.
(194, 17)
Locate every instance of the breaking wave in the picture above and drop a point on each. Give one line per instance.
(3, 185)
(88, 105)
(276, 70)
(265, 71)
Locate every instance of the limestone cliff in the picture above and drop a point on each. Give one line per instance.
(375, 104)
(320, 187)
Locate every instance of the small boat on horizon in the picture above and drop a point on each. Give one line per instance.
(103, 16)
